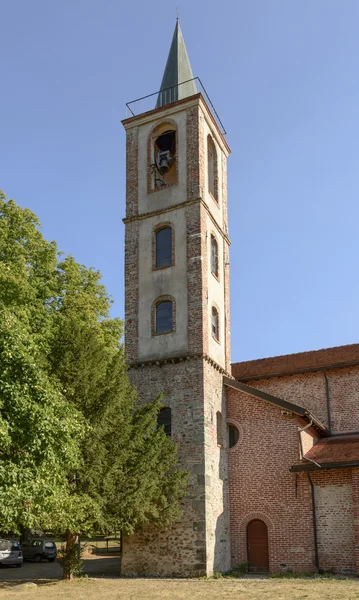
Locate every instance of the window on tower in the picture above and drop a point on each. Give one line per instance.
(219, 423)
(212, 168)
(163, 152)
(164, 319)
(214, 256)
(163, 247)
(164, 420)
(215, 324)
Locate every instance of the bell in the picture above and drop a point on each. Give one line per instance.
(164, 162)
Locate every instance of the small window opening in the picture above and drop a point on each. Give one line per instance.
(233, 435)
(219, 420)
(164, 317)
(214, 256)
(212, 168)
(215, 324)
(165, 159)
(164, 420)
(164, 247)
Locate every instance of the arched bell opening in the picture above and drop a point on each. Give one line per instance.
(164, 156)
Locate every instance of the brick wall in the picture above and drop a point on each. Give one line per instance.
(344, 396)
(355, 492)
(260, 467)
(309, 390)
(306, 389)
(261, 486)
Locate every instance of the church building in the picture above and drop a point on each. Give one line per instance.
(271, 445)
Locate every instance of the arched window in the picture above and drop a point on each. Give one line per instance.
(164, 317)
(233, 435)
(163, 153)
(219, 423)
(164, 247)
(212, 168)
(214, 256)
(164, 420)
(215, 323)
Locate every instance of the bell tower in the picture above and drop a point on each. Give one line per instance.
(177, 338)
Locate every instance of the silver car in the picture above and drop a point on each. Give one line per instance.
(38, 549)
(10, 553)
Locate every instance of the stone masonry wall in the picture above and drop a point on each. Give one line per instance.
(181, 550)
(216, 473)
(335, 523)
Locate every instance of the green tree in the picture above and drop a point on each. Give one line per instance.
(40, 429)
(129, 467)
(97, 461)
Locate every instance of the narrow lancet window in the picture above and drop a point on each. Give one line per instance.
(219, 424)
(164, 420)
(164, 317)
(215, 324)
(214, 256)
(164, 247)
(212, 168)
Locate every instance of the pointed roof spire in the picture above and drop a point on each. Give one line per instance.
(178, 69)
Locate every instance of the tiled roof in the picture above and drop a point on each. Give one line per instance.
(331, 452)
(292, 363)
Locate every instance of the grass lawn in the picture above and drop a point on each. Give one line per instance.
(192, 589)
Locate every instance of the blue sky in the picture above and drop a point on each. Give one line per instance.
(283, 75)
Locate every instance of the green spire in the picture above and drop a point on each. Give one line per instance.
(178, 69)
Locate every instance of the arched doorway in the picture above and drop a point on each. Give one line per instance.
(257, 547)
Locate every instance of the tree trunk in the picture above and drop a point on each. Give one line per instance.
(71, 541)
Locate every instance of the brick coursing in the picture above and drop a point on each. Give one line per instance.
(132, 291)
(309, 390)
(261, 486)
(355, 493)
(132, 172)
(260, 479)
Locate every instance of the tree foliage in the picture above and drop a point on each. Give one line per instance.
(78, 451)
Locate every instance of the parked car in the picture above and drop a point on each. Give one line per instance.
(10, 553)
(39, 549)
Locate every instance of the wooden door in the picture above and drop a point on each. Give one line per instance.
(257, 547)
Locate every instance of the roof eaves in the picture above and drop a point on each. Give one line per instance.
(309, 466)
(283, 404)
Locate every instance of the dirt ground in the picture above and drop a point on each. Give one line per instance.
(96, 566)
(193, 589)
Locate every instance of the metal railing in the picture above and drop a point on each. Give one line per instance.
(169, 96)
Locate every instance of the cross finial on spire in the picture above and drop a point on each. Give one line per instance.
(177, 12)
